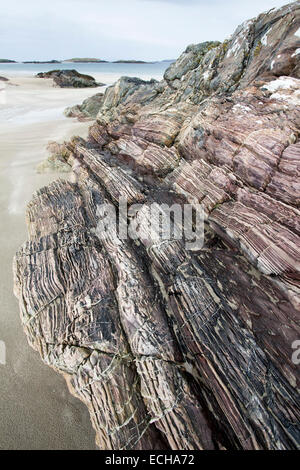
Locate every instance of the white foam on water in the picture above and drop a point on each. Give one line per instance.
(23, 115)
(16, 201)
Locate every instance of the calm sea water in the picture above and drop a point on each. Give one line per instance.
(107, 73)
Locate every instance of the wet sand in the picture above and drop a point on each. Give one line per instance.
(36, 408)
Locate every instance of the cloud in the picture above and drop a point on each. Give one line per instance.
(178, 2)
(141, 29)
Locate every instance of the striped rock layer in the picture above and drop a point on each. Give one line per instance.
(172, 348)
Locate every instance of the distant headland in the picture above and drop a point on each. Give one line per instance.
(132, 62)
(42, 62)
(83, 60)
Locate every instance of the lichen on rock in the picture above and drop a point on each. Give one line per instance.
(56, 162)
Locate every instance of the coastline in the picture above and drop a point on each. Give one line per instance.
(107, 72)
(35, 403)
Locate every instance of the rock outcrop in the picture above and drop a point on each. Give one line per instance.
(171, 347)
(56, 162)
(87, 110)
(70, 79)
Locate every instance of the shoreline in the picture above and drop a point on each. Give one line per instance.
(107, 73)
(35, 402)
(38, 412)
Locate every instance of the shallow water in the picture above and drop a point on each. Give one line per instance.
(105, 73)
(27, 100)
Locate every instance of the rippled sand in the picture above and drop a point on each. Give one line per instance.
(36, 409)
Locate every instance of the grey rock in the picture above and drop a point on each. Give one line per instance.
(69, 79)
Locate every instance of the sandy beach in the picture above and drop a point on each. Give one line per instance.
(37, 411)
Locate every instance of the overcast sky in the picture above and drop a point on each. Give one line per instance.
(117, 29)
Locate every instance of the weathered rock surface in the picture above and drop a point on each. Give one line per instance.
(56, 161)
(169, 347)
(88, 110)
(70, 79)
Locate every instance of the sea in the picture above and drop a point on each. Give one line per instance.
(107, 73)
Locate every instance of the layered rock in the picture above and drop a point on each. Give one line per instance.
(70, 79)
(172, 347)
(87, 110)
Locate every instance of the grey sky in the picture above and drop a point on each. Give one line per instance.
(117, 29)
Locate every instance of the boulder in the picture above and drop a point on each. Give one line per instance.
(88, 110)
(70, 79)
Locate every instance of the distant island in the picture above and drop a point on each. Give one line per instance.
(131, 62)
(85, 60)
(42, 62)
